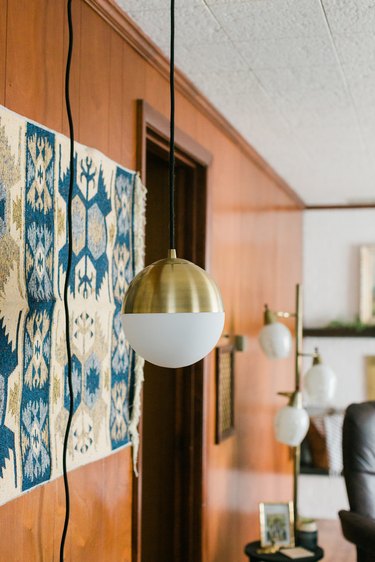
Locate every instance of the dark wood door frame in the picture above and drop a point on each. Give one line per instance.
(150, 122)
(154, 127)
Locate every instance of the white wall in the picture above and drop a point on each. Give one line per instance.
(332, 239)
(322, 497)
(331, 292)
(331, 262)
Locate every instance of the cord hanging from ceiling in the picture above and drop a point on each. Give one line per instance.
(66, 284)
(171, 137)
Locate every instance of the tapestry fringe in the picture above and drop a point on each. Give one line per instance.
(140, 226)
(139, 243)
(136, 413)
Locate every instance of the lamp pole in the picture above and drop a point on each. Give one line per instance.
(296, 395)
(298, 374)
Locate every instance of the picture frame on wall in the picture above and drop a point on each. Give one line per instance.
(224, 392)
(367, 284)
(276, 524)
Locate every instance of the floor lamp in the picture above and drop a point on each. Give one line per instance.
(292, 421)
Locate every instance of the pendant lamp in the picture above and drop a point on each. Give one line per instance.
(172, 312)
(275, 339)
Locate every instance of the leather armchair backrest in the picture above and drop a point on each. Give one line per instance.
(359, 457)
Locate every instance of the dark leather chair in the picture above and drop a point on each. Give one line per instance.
(358, 524)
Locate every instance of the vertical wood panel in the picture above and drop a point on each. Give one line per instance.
(74, 88)
(3, 46)
(133, 83)
(116, 97)
(34, 64)
(94, 101)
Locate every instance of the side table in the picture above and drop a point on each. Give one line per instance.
(251, 552)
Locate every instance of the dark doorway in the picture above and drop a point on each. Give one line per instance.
(173, 400)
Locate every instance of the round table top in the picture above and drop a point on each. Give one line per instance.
(251, 551)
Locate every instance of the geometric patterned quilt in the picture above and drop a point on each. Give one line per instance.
(108, 214)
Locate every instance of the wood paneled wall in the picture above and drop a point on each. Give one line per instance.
(254, 253)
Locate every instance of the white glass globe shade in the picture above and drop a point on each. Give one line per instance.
(275, 340)
(291, 425)
(173, 339)
(320, 384)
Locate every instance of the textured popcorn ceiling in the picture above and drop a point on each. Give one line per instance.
(295, 77)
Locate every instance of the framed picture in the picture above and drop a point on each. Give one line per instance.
(367, 285)
(276, 524)
(370, 377)
(224, 392)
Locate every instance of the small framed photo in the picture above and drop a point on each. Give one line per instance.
(367, 285)
(276, 524)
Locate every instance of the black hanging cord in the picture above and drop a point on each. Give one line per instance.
(66, 284)
(171, 141)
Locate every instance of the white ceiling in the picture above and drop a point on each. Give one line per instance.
(295, 77)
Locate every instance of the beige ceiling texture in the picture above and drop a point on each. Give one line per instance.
(295, 77)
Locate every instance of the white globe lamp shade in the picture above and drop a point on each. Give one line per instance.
(291, 425)
(275, 340)
(173, 313)
(320, 384)
(173, 340)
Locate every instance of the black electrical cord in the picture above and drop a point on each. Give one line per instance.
(66, 284)
(171, 139)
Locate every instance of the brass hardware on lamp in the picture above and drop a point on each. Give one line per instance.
(292, 421)
(172, 311)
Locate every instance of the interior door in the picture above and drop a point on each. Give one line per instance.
(173, 400)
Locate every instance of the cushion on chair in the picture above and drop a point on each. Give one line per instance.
(359, 530)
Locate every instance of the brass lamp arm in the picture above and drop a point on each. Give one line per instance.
(281, 314)
(271, 315)
(317, 359)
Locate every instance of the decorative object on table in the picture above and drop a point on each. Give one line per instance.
(252, 550)
(224, 392)
(297, 552)
(292, 421)
(108, 246)
(307, 533)
(367, 284)
(276, 525)
(172, 311)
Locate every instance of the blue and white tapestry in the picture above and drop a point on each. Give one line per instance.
(108, 211)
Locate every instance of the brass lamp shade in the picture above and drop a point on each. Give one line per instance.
(172, 285)
(173, 313)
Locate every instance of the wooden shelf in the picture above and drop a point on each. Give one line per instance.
(368, 332)
(313, 470)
